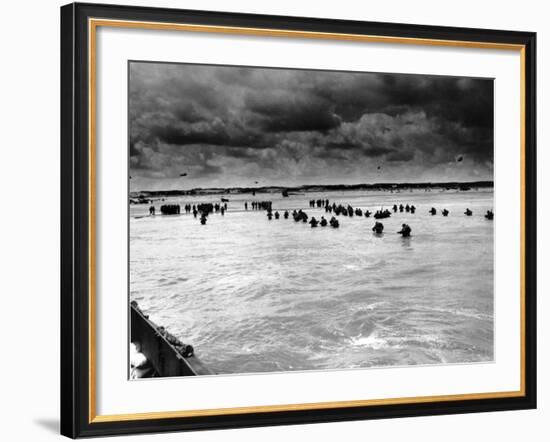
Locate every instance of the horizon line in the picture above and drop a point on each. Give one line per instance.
(303, 186)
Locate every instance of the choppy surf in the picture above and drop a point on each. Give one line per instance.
(253, 295)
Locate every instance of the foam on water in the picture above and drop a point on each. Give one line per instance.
(253, 295)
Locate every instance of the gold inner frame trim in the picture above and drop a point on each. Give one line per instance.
(93, 24)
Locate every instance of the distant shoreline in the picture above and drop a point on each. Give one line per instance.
(451, 185)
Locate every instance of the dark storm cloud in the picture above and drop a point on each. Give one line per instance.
(463, 100)
(229, 125)
(279, 113)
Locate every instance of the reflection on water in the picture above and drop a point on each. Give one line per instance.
(253, 295)
(406, 242)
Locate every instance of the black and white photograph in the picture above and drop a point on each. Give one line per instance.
(290, 220)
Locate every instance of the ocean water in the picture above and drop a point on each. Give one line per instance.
(253, 295)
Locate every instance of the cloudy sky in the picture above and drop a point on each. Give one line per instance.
(232, 126)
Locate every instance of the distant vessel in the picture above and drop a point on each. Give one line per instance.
(225, 200)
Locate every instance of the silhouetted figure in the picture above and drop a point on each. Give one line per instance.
(405, 230)
(468, 212)
(433, 211)
(395, 207)
(152, 210)
(276, 215)
(358, 212)
(334, 223)
(245, 206)
(378, 228)
(401, 207)
(313, 222)
(323, 222)
(368, 213)
(489, 215)
(222, 211)
(445, 212)
(195, 212)
(286, 214)
(269, 216)
(407, 208)
(413, 209)
(203, 219)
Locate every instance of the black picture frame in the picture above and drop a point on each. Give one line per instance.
(76, 418)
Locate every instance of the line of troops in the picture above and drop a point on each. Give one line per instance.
(258, 205)
(204, 209)
(488, 215)
(338, 209)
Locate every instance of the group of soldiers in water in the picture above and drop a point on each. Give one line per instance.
(405, 231)
(488, 215)
(204, 209)
(318, 203)
(299, 215)
(258, 205)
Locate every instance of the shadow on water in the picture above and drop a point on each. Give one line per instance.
(49, 424)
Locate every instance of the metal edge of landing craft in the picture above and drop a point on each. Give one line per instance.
(160, 353)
